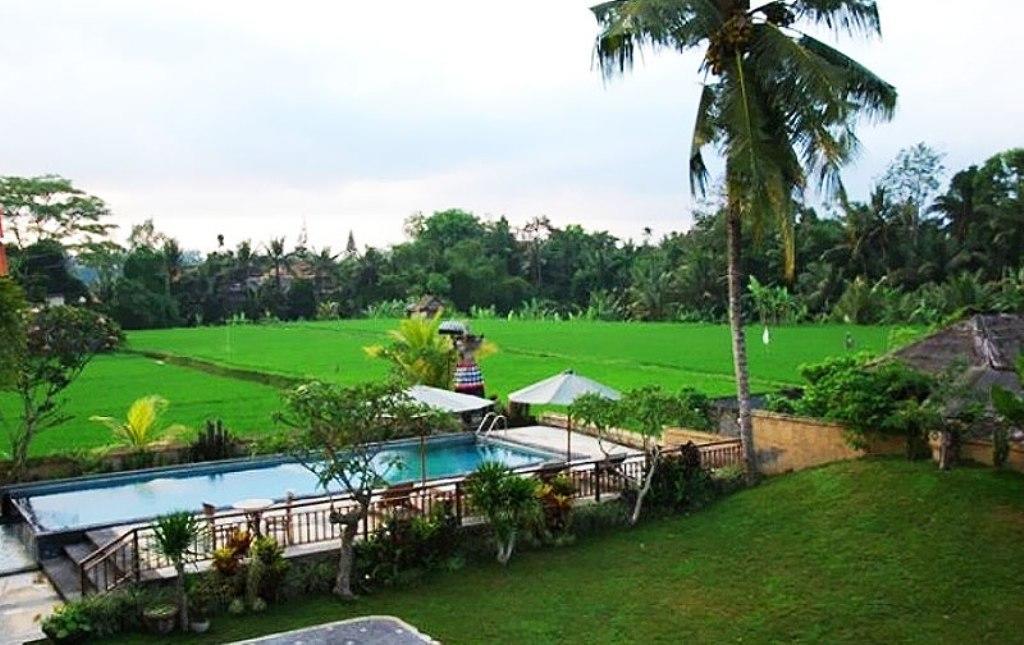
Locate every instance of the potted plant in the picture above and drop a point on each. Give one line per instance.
(176, 535)
(161, 618)
(67, 625)
(199, 609)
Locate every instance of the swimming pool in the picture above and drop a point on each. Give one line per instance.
(129, 497)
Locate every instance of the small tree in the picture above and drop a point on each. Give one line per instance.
(509, 502)
(177, 535)
(648, 410)
(58, 343)
(599, 412)
(337, 434)
(138, 430)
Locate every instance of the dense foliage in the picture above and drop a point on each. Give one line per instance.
(907, 254)
(866, 397)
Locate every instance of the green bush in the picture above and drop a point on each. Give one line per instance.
(866, 398)
(105, 615)
(408, 547)
(68, 624)
(680, 483)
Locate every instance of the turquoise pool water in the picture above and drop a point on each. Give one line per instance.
(126, 498)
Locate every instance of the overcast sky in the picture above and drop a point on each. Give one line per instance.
(250, 118)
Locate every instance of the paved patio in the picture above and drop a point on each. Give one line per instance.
(554, 439)
(25, 599)
(369, 630)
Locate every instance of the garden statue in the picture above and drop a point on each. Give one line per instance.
(468, 379)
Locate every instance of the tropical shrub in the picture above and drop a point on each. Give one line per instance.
(214, 442)
(681, 483)
(865, 397)
(67, 624)
(408, 547)
(508, 501)
(266, 570)
(418, 352)
(139, 429)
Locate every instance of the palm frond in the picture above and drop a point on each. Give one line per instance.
(630, 25)
(703, 134)
(850, 16)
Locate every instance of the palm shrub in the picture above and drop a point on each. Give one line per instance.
(140, 427)
(418, 352)
(176, 536)
(508, 501)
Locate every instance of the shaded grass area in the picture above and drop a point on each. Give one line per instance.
(866, 551)
(624, 355)
(111, 382)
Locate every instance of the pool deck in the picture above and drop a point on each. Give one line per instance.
(368, 630)
(583, 446)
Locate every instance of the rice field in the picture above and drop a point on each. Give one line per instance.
(623, 355)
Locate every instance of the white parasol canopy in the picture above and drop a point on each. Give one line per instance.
(446, 400)
(562, 389)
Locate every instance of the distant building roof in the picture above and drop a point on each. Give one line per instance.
(427, 305)
(987, 344)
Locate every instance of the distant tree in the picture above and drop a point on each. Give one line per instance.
(779, 104)
(50, 208)
(59, 343)
(12, 331)
(912, 178)
(280, 261)
(44, 269)
(301, 300)
(336, 433)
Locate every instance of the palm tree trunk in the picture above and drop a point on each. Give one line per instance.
(739, 343)
(182, 596)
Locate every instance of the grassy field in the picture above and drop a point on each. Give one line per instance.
(863, 551)
(623, 355)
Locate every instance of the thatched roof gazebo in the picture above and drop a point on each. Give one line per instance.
(987, 344)
(427, 306)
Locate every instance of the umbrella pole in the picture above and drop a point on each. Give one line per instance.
(423, 458)
(568, 439)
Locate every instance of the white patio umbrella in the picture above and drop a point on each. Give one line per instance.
(563, 389)
(446, 401)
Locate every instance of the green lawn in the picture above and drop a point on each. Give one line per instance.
(865, 551)
(623, 355)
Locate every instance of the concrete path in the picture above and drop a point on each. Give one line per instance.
(25, 599)
(369, 630)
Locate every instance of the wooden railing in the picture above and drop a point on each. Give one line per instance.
(134, 557)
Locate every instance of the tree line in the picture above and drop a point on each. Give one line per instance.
(912, 252)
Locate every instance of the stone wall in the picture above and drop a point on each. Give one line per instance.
(785, 443)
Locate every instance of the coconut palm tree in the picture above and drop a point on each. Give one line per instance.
(778, 105)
